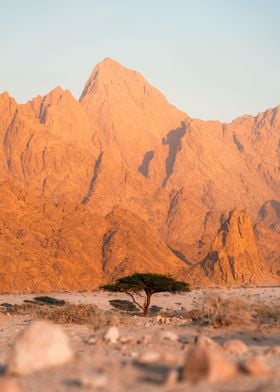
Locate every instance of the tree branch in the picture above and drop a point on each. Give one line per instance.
(134, 300)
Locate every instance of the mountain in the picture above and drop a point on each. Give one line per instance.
(120, 180)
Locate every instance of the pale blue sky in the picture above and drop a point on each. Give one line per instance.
(214, 59)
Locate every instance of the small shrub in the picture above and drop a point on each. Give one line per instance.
(69, 314)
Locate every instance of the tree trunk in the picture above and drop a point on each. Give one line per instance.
(147, 304)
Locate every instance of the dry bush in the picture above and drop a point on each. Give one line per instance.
(67, 314)
(267, 314)
(223, 311)
(217, 311)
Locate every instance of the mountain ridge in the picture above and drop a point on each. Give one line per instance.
(123, 146)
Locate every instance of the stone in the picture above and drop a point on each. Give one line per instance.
(236, 347)
(207, 364)
(94, 381)
(112, 335)
(9, 385)
(149, 357)
(272, 350)
(169, 335)
(169, 357)
(205, 341)
(126, 339)
(39, 346)
(146, 339)
(172, 378)
(256, 366)
(91, 340)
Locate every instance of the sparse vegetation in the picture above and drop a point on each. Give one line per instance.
(147, 283)
(220, 311)
(69, 314)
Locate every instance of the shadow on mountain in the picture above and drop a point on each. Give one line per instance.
(275, 206)
(180, 255)
(173, 139)
(144, 167)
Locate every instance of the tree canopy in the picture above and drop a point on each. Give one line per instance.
(149, 283)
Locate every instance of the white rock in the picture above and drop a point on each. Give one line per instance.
(236, 347)
(112, 335)
(40, 345)
(168, 335)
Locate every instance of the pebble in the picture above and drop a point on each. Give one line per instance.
(91, 340)
(205, 341)
(95, 382)
(149, 357)
(168, 335)
(236, 347)
(112, 335)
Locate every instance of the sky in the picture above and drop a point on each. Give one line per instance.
(214, 59)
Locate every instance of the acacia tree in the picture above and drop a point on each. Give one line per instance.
(149, 284)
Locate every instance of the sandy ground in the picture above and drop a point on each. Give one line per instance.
(119, 363)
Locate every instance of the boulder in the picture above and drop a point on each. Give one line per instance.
(39, 346)
(236, 346)
(207, 364)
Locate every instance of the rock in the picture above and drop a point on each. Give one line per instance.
(41, 345)
(203, 363)
(236, 347)
(112, 335)
(184, 339)
(91, 340)
(169, 357)
(205, 341)
(168, 335)
(9, 385)
(172, 378)
(255, 366)
(126, 339)
(234, 256)
(95, 381)
(273, 350)
(149, 357)
(147, 339)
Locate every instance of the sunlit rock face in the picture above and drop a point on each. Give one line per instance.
(121, 180)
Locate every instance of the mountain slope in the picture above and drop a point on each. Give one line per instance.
(122, 158)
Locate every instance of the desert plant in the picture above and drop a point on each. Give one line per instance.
(147, 283)
(87, 314)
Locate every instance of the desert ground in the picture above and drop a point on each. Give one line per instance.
(149, 353)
